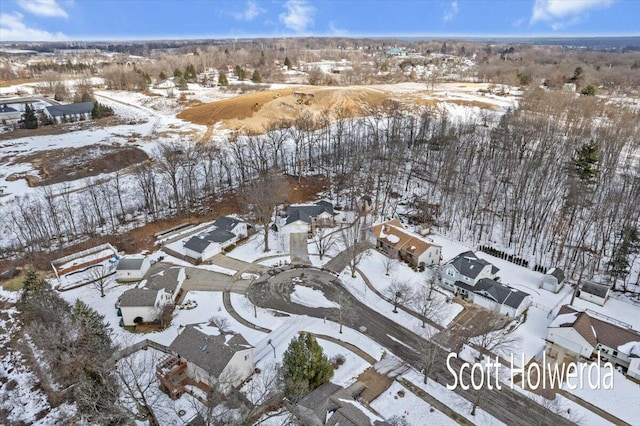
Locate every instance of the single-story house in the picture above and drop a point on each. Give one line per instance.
(132, 268)
(224, 232)
(145, 303)
(495, 296)
(396, 242)
(594, 293)
(9, 116)
(467, 268)
(582, 334)
(306, 218)
(553, 280)
(213, 357)
(69, 112)
(333, 405)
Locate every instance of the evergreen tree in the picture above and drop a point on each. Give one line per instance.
(30, 119)
(95, 333)
(588, 91)
(162, 76)
(222, 79)
(305, 366)
(181, 83)
(287, 62)
(239, 72)
(256, 77)
(585, 163)
(177, 73)
(190, 72)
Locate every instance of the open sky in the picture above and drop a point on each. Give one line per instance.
(49, 20)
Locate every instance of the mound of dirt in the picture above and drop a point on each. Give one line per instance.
(254, 111)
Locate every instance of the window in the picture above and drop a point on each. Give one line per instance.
(246, 357)
(450, 273)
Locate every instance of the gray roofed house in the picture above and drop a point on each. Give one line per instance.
(168, 280)
(495, 296)
(226, 223)
(211, 353)
(135, 297)
(470, 265)
(70, 109)
(5, 109)
(306, 212)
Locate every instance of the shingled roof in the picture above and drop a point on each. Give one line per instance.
(392, 233)
(599, 290)
(138, 297)
(305, 212)
(498, 292)
(199, 243)
(596, 330)
(470, 265)
(70, 109)
(210, 352)
(130, 264)
(557, 273)
(167, 280)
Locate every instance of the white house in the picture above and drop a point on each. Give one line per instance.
(585, 334)
(224, 232)
(553, 280)
(496, 297)
(145, 304)
(396, 242)
(9, 117)
(467, 268)
(69, 113)
(132, 268)
(594, 293)
(213, 357)
(306, 218)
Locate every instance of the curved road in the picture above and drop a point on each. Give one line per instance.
(507, 405)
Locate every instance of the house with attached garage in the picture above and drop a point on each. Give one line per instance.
(576, 335)
(495, 296)
(69, 113)
(145, 304)
(467, 268)
(205, 356)
(223, 233)
(306, 218)
(553, 280)
(132, 268)
(395, 241)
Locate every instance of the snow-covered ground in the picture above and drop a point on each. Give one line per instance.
(410, 408)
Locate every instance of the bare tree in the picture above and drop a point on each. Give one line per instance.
(389, 264)
(324, 241)
(263, 195)
(492, 338)
(100, 278)
(354, 247)
(344, 310)
(399, 292)
(427, 306)
(428, 352)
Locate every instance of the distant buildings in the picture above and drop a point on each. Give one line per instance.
(70, 112)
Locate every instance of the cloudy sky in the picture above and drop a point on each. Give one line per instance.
(50, 20)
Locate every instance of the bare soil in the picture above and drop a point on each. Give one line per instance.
(60, 165)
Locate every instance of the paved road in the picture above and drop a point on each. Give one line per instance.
(338, 263)
(298, 248)
(507, 405)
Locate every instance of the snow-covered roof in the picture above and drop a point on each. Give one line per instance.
(392, 232)
(470, 265)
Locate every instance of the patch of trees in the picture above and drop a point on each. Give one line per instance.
(74, 344)
(29, 117)
(304, 367)
(101, 110)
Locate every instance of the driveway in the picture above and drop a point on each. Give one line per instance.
(298, 248)
(273, 292)
(203, 280)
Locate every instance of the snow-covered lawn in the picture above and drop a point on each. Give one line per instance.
(410, 408)
(310, 297)
(618, 401)
(253, 248)
(373, 266)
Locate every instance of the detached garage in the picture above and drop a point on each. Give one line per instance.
(132, 268)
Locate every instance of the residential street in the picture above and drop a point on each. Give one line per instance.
(273, 292)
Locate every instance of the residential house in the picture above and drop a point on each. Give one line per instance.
(306, 218)
(333, 405)
(594, 293)
(9, 117)
(145, 304)
(467, 268)
(495, 296)
(395, 241)
(132, 268)
(70, 112)
(364, 205)
(576, 334)
(224, 232)
(208, 357)
(395, 51)
(553, 280)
